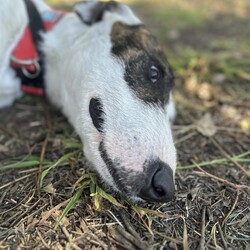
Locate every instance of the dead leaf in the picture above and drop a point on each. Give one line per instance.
(49, 189)
(3, 149)
(64, 222)
(191, 84)
(230, 112)
(206, 125)
(219, 78)
(245, 125)
(205, 91)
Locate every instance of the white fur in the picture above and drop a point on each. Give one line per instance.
(79, 66)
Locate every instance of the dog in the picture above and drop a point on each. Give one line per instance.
(110, 78)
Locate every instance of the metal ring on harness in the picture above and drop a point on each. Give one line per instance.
(32, 75)
(26, 63)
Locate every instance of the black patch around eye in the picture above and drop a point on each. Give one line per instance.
(152, 84)
(96, 113)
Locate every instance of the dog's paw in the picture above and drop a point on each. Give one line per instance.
(92, 12)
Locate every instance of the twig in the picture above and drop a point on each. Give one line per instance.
(168, 238)
(45, 143)
(232, 208)
(42, 239)
(184, 138)
(116, 219)
(203, 226)
(14, 207)
(88, 232)
(229, 157)
(132, 239)
(235, 186)
(120, 240)
(9, 132)
(129, 226)
(222, 238)
(16, 180)
(30, 197)
(32, 214)
(48, 213)
(18, 219)
(213, 233)
(95, 240)
(4, 194)
(185, 235)
(72, 244)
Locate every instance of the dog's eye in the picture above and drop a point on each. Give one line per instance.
(154, 74)
(96, 113)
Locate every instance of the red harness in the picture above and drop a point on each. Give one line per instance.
(25, 56)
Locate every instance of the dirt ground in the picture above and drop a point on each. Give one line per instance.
(208, 46)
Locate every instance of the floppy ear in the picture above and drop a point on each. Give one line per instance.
(91, 12)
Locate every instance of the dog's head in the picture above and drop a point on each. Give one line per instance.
(127, 131)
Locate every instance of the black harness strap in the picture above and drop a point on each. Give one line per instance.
(36, 28)
(35, 23)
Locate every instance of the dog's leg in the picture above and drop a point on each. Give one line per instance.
(13, 21)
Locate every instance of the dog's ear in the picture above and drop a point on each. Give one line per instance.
(91, 12)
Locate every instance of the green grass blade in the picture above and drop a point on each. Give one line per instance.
(96, 198)
(237, 158)
(22, 164)
(73, 144)
(63, 159)
(72, 202)
(108, 197)
(242, 155)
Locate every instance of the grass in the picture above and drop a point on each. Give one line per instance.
(238, 158)
(74, 210)
(90, 181)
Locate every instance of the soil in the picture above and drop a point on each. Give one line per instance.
(211, 209)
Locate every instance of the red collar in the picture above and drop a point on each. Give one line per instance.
(25, 56)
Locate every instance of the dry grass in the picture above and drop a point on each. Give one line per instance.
(49, 201)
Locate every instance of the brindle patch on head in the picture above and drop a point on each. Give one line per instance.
(140, 51)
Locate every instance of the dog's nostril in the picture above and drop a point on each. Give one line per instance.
(159, 183)
(159, 191)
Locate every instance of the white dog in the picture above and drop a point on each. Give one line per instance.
(110, 78)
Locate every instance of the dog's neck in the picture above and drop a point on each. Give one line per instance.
(27, 59)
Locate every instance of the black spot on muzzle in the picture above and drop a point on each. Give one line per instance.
(96, 113)
(112, 168)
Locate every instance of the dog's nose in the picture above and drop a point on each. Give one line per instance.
(159, 185)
